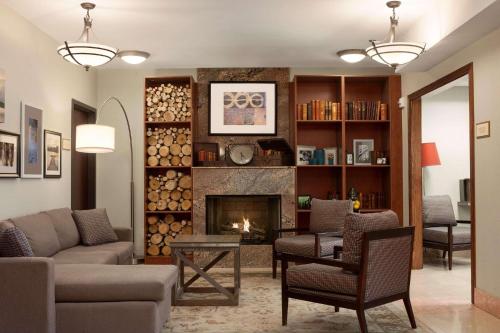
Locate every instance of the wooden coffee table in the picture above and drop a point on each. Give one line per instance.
(214, 243)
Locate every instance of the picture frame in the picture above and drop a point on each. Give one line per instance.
(349, 160)
(66, 144)
(331, 156)
(304, 201)
(483, 130)
(2, 96)
(10, 165)
(305, 154)
(243, 108)
(31, 142)
(362, 149)
(52, 154)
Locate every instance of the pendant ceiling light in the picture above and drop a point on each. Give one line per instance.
(83, 52)
(394, 53)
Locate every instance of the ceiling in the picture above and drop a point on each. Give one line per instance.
(227, 33)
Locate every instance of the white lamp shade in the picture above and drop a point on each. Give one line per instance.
(87, 54)
(92, 138)
(396, 53)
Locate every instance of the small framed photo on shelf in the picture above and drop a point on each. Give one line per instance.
(9, 155)
(349, 159)
(305, 154)
(381, 160)
(362, 149)
(52, 154)
(331, 156)
(304, 201)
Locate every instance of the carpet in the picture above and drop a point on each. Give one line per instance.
(260, 311)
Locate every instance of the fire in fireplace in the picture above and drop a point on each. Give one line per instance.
(253, 217)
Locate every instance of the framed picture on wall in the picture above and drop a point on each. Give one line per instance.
(2, 97)
(362, 149)
(242, 108)
(31, 137)
(9, 155)
(52, 146)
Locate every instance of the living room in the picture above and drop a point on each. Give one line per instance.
(164, 181)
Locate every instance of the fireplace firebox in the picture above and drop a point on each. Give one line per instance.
(251, 216)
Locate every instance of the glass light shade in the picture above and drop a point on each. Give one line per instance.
(87, 54)
(133, 57)
(92, 138)
(352, 56)
(395, 53)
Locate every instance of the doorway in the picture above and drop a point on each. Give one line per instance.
(417, 100)
(83, 166)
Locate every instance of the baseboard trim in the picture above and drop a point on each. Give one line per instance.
(487, 302)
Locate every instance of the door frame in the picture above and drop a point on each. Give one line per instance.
(415, 168)
(82, 107)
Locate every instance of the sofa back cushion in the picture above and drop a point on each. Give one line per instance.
(94, 226)
(329, 215)
(40, 232)
(13, 242)
(357, 224)
(438, 210)
(65, 227)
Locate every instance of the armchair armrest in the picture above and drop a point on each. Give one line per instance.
(355, 268)
(28, 298)
(124, 234)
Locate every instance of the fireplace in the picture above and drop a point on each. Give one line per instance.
(251, 216)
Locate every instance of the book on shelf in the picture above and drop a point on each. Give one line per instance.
(366, 110)
(372, 200)
(319, 110)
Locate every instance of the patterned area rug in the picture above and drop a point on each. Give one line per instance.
(260, 311)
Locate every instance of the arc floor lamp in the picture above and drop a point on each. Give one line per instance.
(97, 139)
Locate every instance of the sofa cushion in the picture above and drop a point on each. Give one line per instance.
(120, 252)
(94, 226)
(303, 245)
(13, 242)
(461, 235)
(112, 283)
(94, 257)
(438, 209)
(329, 215)
(40, 232)
(65, 226)
(357, 224)
(322, 277)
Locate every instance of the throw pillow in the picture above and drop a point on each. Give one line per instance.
(357, 224)
(329, 215)
(13, 243)
(94, 226)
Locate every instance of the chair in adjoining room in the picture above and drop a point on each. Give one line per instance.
(321, 238)
(375, 269)
(441, 230)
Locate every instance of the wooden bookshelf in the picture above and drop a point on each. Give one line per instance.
(161, 170)
(319, 180)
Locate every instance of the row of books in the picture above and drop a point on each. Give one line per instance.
(319, 110)
(372, 200)
(366, 110)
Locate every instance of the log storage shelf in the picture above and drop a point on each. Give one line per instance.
(169, 111)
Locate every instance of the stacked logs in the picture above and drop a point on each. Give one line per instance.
(162, 231)
(169, 146)
(171, 191)
(168, 102)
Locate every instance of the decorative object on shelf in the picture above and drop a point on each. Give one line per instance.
(331, 156)
(304, 201)
(318, 157)
(52, 162)
(483, 130)
(83, 52)
(169, 146)
(319, 110)
(66, 144)
(9, 155)
(161, 231)
(352, 55)
(206, 152)
(353, 196)
(242, 108)
(241, 154)
(168, 102)
(2, 97)
(31, 131)
(362, 149)
(170, 191)
(305, 154)
(379, 157)
(392, 53)
(133, 57)
(277, 147)
(94, 138)
(349, 159)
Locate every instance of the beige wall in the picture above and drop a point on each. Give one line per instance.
(485, 55)
(36, 75)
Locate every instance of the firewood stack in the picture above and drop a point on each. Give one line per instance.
(171, 191)
(168, 102)
(169, 146)
(162, 231)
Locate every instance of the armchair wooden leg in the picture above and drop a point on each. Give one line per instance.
(409, 311)
(284, 293)
(444, 254)
(362, 320)
(337, 309)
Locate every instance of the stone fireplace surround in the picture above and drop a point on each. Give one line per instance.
(279, 180)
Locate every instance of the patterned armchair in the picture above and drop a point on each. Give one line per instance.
(441, 230)
(375, 269)
(322, 237)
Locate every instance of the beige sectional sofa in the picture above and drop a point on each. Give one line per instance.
(68, 287)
